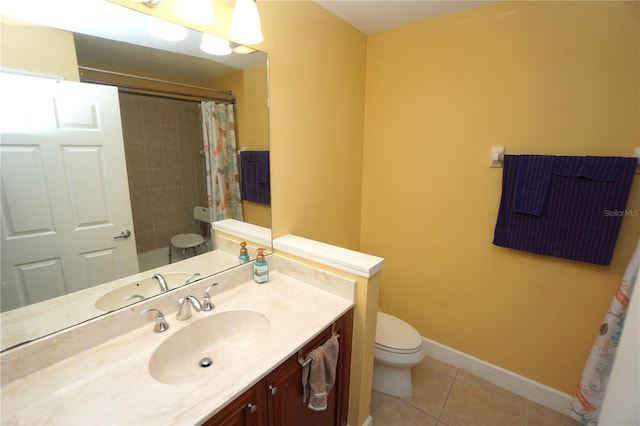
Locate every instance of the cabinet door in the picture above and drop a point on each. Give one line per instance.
(249, 409)
(284, 385)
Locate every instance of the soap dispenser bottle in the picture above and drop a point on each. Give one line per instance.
(260, 268)
(244, 256)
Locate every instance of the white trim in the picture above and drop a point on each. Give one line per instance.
(368, 421)
(354, 262)
(246, 231)
(520, 385)
(31, 73)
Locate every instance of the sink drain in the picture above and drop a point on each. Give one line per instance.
(206, 362)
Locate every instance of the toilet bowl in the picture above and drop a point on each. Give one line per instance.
(399, 347)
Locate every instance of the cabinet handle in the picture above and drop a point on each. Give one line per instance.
(252, 407)
(273, 389)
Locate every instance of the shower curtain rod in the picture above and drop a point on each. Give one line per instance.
(229, 93)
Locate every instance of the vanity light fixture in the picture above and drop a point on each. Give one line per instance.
(245, 18)
(214, 45)
(196, 11)
(166, 30)
(245, 23)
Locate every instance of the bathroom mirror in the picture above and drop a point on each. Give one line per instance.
(114, 38)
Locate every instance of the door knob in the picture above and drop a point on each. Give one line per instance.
(124, 234)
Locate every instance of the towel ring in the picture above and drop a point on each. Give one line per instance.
(304, 362)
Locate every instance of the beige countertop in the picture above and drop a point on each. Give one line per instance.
(42, 318)
(110, 383)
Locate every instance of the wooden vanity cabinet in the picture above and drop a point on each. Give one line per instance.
(278, 397)
(284, 385)
(249, 409)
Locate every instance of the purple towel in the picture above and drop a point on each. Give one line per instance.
(532, 183)
(254, 170)
(596, 168)
(582, 212)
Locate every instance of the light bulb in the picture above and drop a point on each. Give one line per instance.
(214, 45)
(245, 23)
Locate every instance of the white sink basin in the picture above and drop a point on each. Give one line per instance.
(139, 290)
(209, 346)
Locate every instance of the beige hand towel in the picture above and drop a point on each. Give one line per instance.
(319, 375)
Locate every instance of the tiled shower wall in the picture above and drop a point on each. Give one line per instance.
(163, 140)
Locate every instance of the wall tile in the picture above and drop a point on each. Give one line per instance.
(163, 139)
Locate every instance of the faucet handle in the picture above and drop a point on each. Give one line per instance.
(207, 305)
(161, 324)
(192, 277)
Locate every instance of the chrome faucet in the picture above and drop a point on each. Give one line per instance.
(161, 325)
(163, 284)
(207, 305)
(185, 307)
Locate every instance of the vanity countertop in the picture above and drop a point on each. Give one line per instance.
(42, 318)
(110, 383)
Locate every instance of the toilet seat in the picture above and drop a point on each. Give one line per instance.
(396, 336)
(399, 351)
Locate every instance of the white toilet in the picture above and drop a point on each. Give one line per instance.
(399, 347)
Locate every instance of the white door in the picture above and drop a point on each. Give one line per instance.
(65, 193)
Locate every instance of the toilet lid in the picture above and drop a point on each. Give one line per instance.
(394, 333)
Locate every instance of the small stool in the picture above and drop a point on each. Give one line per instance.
(186, 242)
(191, 241)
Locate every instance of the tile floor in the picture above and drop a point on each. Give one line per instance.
(446, 396)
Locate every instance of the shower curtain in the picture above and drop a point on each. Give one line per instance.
(221, 159)
(587, 401)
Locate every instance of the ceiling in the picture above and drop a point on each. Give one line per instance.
(101, 53)
(373, 16)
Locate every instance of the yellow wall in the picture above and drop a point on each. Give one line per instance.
(51, 52)
(316, 71)
(256, 135)
(535, 77)
(251, 90)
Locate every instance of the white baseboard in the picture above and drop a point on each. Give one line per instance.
(368, 421)
(520, 385)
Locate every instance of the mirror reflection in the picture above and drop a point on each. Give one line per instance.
(180, 165)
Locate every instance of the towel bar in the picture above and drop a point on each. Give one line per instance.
(498, 152)
(304, 362)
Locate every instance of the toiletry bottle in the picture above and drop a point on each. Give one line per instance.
(260, 268)
(244, 256)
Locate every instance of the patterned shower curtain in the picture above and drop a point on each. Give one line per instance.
(587, 401)
(221, 159)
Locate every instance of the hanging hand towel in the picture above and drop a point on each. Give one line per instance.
(595, 168)
(319, 375)
(532, 183)
(582, 212)
(254, 169)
